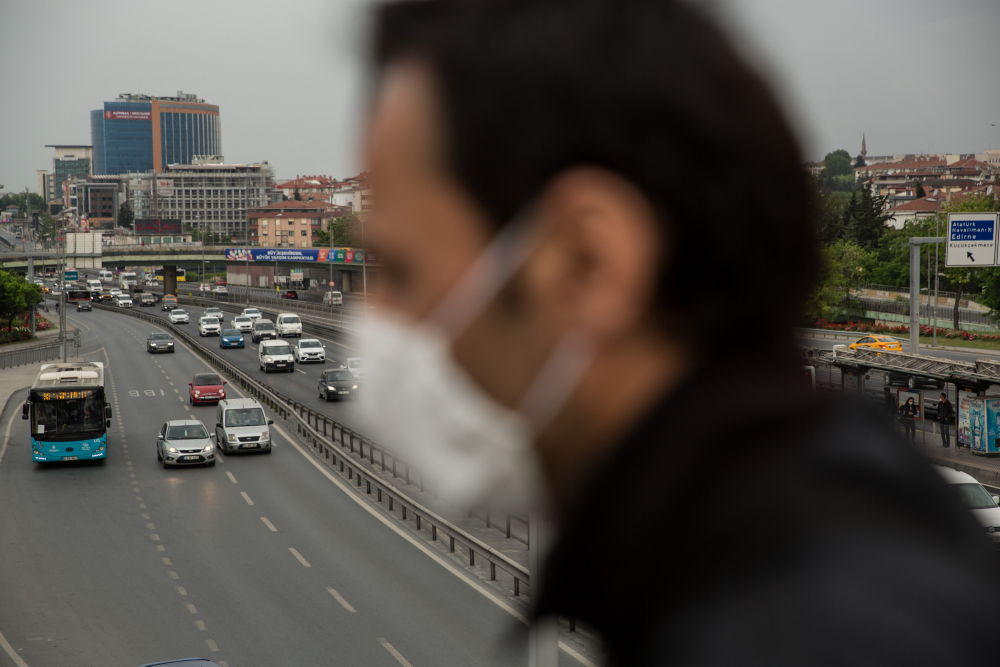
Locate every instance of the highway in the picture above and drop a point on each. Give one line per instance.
(262, 560)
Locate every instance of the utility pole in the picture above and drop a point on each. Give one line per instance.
(364, 263)
(937, 278)
(915, 243)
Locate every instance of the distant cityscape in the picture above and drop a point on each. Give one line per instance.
(161, 158)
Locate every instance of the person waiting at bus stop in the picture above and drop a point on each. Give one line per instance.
(907, 415)
(890, 404)
(945, 412)
(559, 288)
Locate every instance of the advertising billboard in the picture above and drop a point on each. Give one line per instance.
(336, 256)
(164, 188)
(158, 226)
(128, 115)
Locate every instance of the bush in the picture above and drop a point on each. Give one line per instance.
(865, 328)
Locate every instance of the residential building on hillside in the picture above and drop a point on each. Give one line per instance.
(208, 195)
(354, 193)
(309, 187)
(291, 224)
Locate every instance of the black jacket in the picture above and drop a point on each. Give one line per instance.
(907, 411)
(779, 529)
(945, 411)
(890, 403)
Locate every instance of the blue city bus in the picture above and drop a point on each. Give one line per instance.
(69, 412)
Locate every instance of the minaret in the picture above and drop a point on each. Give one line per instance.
(864, 149)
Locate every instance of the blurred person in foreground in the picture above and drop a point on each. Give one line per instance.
(595, 239)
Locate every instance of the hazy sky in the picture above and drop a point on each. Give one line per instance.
(913, 75)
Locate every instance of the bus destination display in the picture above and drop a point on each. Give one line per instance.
(64, 395)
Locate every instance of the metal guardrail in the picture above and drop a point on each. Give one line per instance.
(331, 442)
(29, 355)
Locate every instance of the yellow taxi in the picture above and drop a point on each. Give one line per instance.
(878, 343)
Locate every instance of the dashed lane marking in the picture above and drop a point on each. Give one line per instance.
(396, 654)
(302, 560)
(341, 600)
(231, 478)
(246, 497)
(269, 524)
(190, 608)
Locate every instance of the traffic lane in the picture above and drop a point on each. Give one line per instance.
(827, 344)
(301, 385)
(398, 592)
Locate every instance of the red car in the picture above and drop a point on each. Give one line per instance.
(289, 294)
(206, 388)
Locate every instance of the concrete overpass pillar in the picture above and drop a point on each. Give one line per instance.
(170, 280)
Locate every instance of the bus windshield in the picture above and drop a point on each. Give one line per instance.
(52, 419)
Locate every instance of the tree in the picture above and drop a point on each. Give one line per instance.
(864, 218)
(919, 191)
(860, 162)
(838, 173)
(346, 231)
(296, 195)
(48, 229)
(17, 295)
(17, 199)
(845, 266)
(321, 238)
(126, 216)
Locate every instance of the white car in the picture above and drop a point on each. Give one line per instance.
(116, 292)
(309, 349)
(214, 312)
(208, 326)
(977, 499)
(242, 323)
(356, 365)
(123, 301)
(288, 324)
(252, 313)
(275, 355)
(178, 316)
(220, 289)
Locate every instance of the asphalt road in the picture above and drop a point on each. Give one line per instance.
(260, 561)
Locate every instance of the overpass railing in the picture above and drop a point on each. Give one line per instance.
(29, 355)
(330, 439)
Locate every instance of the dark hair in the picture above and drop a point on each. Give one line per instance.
(649, 89)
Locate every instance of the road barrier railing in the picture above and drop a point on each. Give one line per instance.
(29, 355)
(329, 440)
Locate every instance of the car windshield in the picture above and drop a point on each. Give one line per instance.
(245, 417)
(339, 376)
(251, 311)
(160, 336)
(187, 432)
(212, 311)
(310, 343)
(207, 380)
(264, 326)
(355, 363)
(178, 311)
(231, 332)
(241, 319)
(973, 496)
(291, 320)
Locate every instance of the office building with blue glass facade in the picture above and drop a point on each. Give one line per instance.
(141, 133)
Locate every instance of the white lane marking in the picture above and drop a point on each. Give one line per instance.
(9, 650)
(155, 537)
(299, 556)
(179, 398)
(341, 600)
(161, 393)
(172, 384)
(151, 526)
(176, 391)
(212, 646)
(200, 625)
(301, 371)
(219, 459)
(190, 608)
(160, 547)
(231, 478)
(396, 654)
(246, 497)
(173, 575)
(6, 437)
(182, 590)
(146, 517)
(269, 524)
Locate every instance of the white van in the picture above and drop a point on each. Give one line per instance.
(288, 324)
(106, 276)
(333, 299)
(93, 284)
(275, 355)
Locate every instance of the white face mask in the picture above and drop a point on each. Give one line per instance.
(420, 403)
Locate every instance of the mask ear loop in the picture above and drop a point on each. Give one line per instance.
(489, 273)
(554, 384)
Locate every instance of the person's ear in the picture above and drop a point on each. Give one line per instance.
(599, 261)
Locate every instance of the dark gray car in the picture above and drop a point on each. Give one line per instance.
(338, 384)
(159, 342)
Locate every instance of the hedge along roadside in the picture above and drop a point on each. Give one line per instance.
(327, 446)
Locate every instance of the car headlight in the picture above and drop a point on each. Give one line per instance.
(232, 437)
(241, 339)
(170, 344)
(265, 436)
(197, 392)
(172, 450)
(332, 388)
(354, 387)
(268, 360)
(208, 448)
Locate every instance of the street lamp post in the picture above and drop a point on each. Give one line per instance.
(937, 280)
